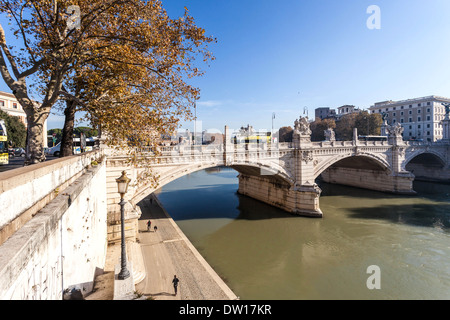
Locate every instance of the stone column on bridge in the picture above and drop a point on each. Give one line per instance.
(402, 180)
(228, 147)
(307, 192)
(446, 125)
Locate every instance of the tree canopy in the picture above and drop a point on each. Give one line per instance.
(319, 126)
(16, 130)
(125, 62)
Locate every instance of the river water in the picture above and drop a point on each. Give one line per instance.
(265, 253)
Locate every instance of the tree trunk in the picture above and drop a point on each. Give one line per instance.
(35, 137)
(67, 133)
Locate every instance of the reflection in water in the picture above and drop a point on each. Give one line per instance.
(265, 253)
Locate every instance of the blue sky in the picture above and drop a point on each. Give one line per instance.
(282, 56)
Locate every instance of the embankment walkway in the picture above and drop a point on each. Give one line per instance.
(159, 255)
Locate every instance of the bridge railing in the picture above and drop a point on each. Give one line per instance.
(332, 144)
(181, 150)
(427, 143)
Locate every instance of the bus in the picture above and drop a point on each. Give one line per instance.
(90, 144)
(373, 138)
(4, 155)
(256, 137)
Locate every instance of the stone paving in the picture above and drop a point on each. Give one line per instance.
(157, 257)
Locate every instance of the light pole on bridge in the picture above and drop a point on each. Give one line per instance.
(122, 187)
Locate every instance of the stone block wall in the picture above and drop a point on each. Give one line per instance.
(62, 247)
(302, 201)
(429, 172)
(378, 180)
(24, 191)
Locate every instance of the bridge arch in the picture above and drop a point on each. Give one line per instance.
(427, 165)
(271, 171)
(368, 160)
(425, 154)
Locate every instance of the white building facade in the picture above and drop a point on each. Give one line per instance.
(10, 105)
(421, 118)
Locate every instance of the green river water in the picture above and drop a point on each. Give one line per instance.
(265, 253)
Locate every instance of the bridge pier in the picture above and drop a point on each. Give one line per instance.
(300, 200)
(378, 180)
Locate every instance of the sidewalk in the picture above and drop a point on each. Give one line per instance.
(157, 257)
(167, 252)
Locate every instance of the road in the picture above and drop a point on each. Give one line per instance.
(17, 162)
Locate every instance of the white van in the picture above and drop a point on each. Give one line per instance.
(54, 151)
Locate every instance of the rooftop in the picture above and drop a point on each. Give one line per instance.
(409, 101)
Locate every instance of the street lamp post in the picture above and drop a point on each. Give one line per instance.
(195, 123)
(122, 186)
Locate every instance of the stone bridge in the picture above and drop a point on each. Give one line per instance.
(58, 217)
(284, 174)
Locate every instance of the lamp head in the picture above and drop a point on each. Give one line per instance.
(122, 183)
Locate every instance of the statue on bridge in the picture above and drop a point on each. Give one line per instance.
(301, 126)
(447, 109)
(329, 134)
(395, 130)
(395, 134)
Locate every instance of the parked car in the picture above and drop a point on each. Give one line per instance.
(19, 152)
(54, 151)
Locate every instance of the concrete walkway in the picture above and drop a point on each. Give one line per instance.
(157, 257)
(167, 252)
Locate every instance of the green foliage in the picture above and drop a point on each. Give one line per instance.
(57, 132)
(89, 132)
(17, 132)
(367, 124)
(285, 134)
(319, 126)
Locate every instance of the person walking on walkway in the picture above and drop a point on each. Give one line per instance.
(149, 224)
(175, 283)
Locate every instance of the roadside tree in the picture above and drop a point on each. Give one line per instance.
(70, 48)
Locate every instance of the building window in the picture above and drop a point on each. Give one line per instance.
(419, 126)
(410, 119)
(428, 103)
(418, 111)
(410, 105)
(393, 108)
(419, 105)
(401, 113)
(428, 125)
(15, 105)
(410, 111)
(419, 119)
(428, 109)
(428, 118)
(394, 114)
(401, 107)
(428, 133)
(401, 120)
(2, 103)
